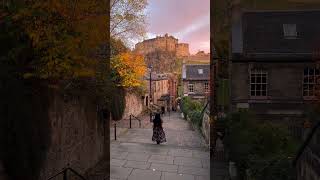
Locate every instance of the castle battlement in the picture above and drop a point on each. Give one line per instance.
(164, 43)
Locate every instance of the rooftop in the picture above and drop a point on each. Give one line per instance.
(196, 72)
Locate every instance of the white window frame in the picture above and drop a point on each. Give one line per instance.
(258, 73)
(191, 85)
(309, 81)
(290, 31)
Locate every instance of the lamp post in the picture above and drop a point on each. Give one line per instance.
(150, 89)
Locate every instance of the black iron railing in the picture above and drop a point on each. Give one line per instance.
(306, 142)
(130, 124)
(64, 173)
(132, 116)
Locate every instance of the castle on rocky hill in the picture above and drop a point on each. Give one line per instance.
(163, 43)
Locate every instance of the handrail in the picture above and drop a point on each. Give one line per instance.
(306, 142)
(135, 117)
(205, 107)
(131, 115)
(64, 173)
(76, 173)
(115, 125)
(56, 175)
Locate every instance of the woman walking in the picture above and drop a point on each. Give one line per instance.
(158, 133)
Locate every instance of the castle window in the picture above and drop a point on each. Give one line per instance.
(191, 87)
(258, 83)
(290, 31)
(310, 76)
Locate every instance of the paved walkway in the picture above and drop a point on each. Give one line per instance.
(184, 156)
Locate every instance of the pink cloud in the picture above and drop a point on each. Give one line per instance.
(188, 20)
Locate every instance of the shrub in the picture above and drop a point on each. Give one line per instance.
(192, 109)
(263, 149)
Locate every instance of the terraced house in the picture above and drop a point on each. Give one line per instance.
(196, 81)
(273, 66)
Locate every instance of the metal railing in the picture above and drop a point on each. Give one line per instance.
(130, 124)
(306, 142)
(64, 174)
(130, 117)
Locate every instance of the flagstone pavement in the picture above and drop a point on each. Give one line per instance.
(184, 156)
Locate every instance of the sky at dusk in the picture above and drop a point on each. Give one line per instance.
(187, 20)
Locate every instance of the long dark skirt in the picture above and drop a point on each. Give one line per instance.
(158, 135)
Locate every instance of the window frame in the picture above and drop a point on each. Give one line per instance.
(189, 85)
(258, 73)
(206, 87)
(287, 31)
(314, 75)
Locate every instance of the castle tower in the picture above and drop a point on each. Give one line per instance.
(182, 50)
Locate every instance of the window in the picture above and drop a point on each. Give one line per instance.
(310, 76)
(258, 83)
(191, 87)
(206, 87)
(290, 31)
(200, 71)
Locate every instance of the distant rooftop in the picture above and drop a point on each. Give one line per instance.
(201, 56)
(196, 72)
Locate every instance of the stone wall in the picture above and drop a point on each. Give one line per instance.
(134, 105)
(205, 128)
(198, 88)
(77, 135)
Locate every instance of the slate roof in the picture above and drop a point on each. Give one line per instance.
(191, 72)
(260, 34)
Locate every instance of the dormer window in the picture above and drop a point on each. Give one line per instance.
(290, 31)
(200, 71)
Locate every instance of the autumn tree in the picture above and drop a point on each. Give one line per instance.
(128, 69)
(65, 36)
(127, 19)
(46, 41)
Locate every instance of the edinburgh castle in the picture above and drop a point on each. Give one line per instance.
(164, 53)
(164, 43)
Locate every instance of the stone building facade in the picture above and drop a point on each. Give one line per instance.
(272, 70)
(163, 43)
(173, 90)
(159, 90)
(196, 81)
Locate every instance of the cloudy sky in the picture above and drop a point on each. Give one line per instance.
(187, 20)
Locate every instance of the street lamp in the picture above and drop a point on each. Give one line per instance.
(150, 93)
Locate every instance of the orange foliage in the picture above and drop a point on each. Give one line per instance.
(130, 68)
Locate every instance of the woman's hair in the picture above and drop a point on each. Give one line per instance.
(157, 119)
